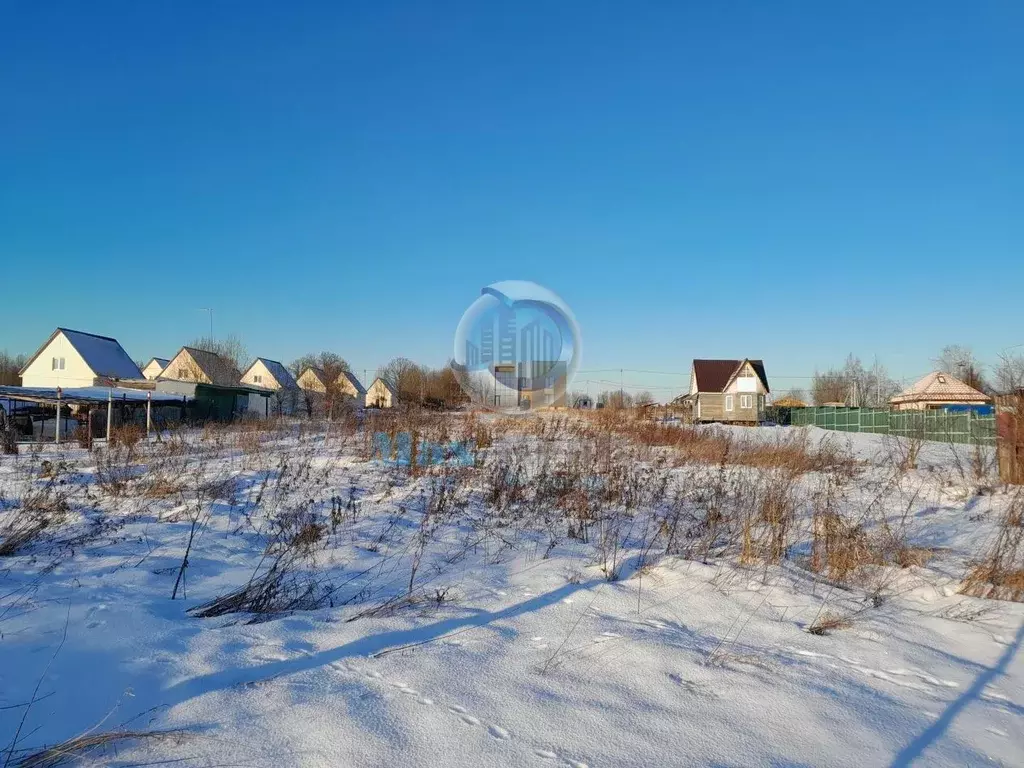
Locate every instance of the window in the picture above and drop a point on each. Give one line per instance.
(57, 364)
(258, 378)
(728, 402)
(746, 401)
(53, 364)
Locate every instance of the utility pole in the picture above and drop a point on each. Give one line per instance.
(622, 396)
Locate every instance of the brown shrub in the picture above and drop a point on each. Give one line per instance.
(1000, 575)
(828, 622)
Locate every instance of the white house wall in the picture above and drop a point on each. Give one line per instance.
(76, 372)
(152, 370)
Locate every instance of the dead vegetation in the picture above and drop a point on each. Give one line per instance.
(1000, 574)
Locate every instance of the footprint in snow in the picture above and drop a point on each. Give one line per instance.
(546, 754)
(499, 733)
(456, 709)
(470, 720)
(424, 700)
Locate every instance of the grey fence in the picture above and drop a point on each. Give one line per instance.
(936, 425)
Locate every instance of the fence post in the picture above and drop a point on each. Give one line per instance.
(56, 433)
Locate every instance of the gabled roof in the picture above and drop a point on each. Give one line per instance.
(715, 375)
(353, 381)
(103, 354)
(388, 387)
(161, 361)
(318, 372)
(941, 387)
(218, 370)
(281, 375)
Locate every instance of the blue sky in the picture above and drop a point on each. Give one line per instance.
(793, 181)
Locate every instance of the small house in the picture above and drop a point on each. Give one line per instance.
(312, 380)
(78, 359)
(938, 390)
(273, 376)
(155, 367)
(380, 394)
(268, 374)
(201, 367)
(727, 391)
(350, 386)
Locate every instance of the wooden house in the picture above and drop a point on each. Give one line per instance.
(728, 391)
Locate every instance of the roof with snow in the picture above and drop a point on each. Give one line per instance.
(86, 395)
(281, 375)
(939, 386)
(103, 354)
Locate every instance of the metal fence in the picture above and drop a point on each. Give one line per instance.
(967, 427)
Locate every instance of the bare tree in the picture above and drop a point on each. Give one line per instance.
(854, 385)
(643, 398)
(615, 398)
(405, 377)
(829, 387)
(230, 348)
(959, 360)
(10, 368)
(1009, 374)
(331, 366)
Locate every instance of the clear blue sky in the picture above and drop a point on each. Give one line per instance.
(793, 181)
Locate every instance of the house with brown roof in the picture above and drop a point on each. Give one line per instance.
(202, 367)
(937, 390)
(730, 391)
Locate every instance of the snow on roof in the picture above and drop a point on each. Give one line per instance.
(87, 394)
(943, 387)
(103, 354)
(281, 375)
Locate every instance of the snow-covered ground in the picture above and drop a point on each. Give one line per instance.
(459, 629)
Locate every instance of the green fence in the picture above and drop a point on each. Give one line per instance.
(927, 425)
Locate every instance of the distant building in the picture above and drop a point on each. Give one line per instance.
(312, 380)
(202, 367)
(726, 391)
(350, 386)
(273, 376)
(155, 367)
(78, 359)
(268, 374)
(938, 390)
(380, 394)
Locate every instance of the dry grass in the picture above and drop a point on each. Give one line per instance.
(92, 746)
(1000, 575)
(829, 622)
(39, 513)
